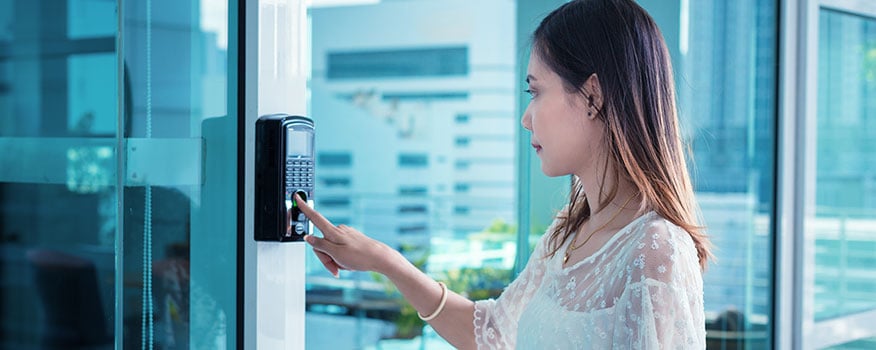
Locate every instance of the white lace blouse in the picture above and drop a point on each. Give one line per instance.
(642, 290)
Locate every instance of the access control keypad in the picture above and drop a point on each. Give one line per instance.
(299, 174)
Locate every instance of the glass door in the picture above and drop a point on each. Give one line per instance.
(118, 173)
(59, 162)
(178, 202)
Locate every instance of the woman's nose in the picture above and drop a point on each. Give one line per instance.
(527, 119)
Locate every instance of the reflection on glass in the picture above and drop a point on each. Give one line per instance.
(58, 207)
(89, 169)
(724, 54)
(178, 255)
(859, 344)
(845, 215)
(416, 103)
(394, 90)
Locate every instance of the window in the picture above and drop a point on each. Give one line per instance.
(335, 182)
(423, 96)
(412, 229)
(412, 63)
(843, 226)
(334, 202)
(413, 160)
(413, 209)
(725, 58)
(325, 159)
(393, 86)
(414, 191)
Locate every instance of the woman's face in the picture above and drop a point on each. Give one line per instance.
(565, 138)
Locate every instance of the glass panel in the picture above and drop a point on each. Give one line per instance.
(58, 176)
(845, 214)
(724, 55)
(387, 104)
(179, 200)
(60, 242)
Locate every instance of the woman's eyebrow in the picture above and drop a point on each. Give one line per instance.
(530, 78)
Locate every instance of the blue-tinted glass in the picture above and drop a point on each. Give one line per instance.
(724, 55)
(179, 202)
(58, 174)
(844, 225)
(396, 89)
(726, 47)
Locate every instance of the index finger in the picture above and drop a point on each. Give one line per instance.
(315, 217)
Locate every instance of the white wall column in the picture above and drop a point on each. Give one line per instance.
(274, 272)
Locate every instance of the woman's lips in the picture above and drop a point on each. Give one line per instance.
(537, 148)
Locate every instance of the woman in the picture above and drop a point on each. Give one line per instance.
(621, 266)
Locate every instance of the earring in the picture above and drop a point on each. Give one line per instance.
(591, 106)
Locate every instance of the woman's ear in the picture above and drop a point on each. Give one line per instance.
(593, 95)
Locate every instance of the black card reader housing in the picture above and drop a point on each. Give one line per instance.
(284, 162)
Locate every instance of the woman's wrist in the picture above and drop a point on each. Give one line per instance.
(388, 260)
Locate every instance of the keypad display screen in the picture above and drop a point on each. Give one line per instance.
(298, 143)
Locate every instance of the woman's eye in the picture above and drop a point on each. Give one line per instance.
(530, 92)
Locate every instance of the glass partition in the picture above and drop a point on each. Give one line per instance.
(179, 200)
(58, 173)
(844, 222)
(423, 113)
(416, 147)
(118, 176)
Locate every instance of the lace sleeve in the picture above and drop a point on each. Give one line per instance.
(495, 321)
(662, 306)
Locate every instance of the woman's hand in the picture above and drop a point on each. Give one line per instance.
(343, 247)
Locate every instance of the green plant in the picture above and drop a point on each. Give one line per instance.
(475, 283)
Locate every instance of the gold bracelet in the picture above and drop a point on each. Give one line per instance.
(440, 305)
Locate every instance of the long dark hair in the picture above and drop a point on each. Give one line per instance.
(619, 42)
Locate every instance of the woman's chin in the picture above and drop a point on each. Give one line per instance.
(550, 172)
